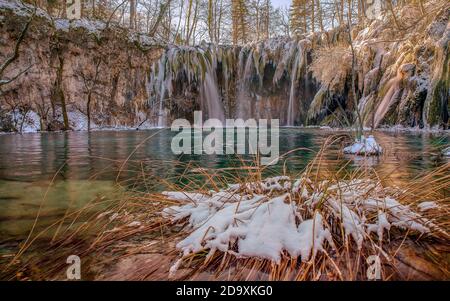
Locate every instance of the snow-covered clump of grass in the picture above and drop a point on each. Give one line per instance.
(275, 217)
(364, 147)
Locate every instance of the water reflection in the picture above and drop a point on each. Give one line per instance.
(28, 163)
(82, 155)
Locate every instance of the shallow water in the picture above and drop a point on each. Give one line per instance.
(84, 166)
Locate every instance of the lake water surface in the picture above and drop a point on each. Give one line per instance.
(84, 165)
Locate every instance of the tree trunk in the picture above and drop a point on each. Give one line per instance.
(88, 110)
(211, 28)
(132, 14)
(359, 121)
(319, 12)
(60, 92)
(391, 8)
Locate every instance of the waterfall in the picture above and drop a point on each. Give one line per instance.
(210, 95)
(272, 79)
(245, 70)
(385, 104)
(290, 109)
(250, 80)
(162, 90)
(297, 51)
(391, 95)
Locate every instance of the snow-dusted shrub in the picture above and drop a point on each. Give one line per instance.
(331, 65)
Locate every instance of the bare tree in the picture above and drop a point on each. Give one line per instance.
(239, 16)
(132, 14)
(359, 122)
(15, 55)
(91, 80)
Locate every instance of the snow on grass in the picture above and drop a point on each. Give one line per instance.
(353, 224)
(446, 152)
(380, 226)
(282, 216)
(425, 206)
(364, 147)
(401, 216)
(312, 236)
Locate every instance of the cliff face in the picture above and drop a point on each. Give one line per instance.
(67, 65)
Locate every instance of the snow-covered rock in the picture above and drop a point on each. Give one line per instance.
(91, 26)
(364, 147)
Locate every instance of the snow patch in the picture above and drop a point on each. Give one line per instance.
(22, 9)
(383, 224)
(78, 121)
(134, 224)
(91, 26)
(25, 122)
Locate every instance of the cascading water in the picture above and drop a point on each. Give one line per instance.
(245, 70)
(387, 101)
(250, 80)
(162, 90)
(189, 68)
(291, 109)
(210, 95)
(394, 88)
(290, 80)
(300, 62)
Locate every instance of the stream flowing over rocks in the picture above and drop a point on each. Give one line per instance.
(134, 81)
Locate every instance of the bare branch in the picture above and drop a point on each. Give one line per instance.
(15, 55)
